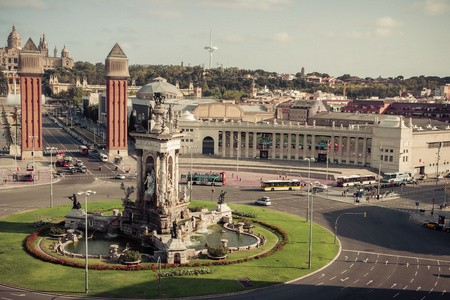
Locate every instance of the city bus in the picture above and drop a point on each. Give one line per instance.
(84, 150)
(204, 179)
(396, 178)
(280, 185)
(62, 159)
(356, 179)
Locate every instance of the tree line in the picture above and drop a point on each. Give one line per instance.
(234, 83)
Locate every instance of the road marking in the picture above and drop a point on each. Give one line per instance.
(396, 295)
(407, 265)
(372, 268)
(430, 291)
(346, 278)
(332, 278)
(428, 267)
(346, 257)
(443, 292)
(343, 272)
(411, 280)
(351, 265)
(393, 285)
(416, 273)
(369, 282)
(366, 274)
(405, 287)
(356, 281)
(435, 284)
(344, 288)
(321, 276)
(418, 288)
(386, 262)
(365, 260)
(393, 255)
(319, 284)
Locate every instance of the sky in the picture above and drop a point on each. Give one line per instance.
(364, 38)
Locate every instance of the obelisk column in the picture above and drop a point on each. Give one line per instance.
(31, 69)
(116, 75)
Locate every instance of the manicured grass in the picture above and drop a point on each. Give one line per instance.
(19, 268)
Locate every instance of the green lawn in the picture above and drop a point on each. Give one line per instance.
(19, 268)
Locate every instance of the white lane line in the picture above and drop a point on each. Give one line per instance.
(395, 295)
(369, 282)
(343, 272)
(405, 287)
(366, 274)
(332, 277)
(351, 265)
(321, 276)
(411, 280)
(345, 279)
(356, 281)
(393, 285)
(319, 284)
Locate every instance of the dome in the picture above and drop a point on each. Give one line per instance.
(14, 40)
(159, 85)
(187, 116)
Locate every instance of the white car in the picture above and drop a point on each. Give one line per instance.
(120, 176)
(319, 187)
(263, 201)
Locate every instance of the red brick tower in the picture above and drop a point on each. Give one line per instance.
(31, 69)
(116, 75)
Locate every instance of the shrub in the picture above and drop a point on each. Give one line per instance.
(57, 230)
(131, 256)
(196, 208)
(244, 214)
(248, 222)
(217, 251)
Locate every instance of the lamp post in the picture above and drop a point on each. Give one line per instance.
(192, 175)
(34, 167)
(51, 174)
(86, 194)
(379, 171)
(311, 210)
(15, 153)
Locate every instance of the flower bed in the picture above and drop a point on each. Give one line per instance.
(31, 246)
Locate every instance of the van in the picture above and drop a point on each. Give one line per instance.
(103, 157)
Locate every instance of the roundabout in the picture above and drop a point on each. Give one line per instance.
(278, 262)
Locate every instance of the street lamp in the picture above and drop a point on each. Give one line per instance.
(311, 210)
(379, 171)
(190, 188)
(86, 194)
(34, 166)
(51, 173)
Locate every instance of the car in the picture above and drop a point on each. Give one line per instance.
(319, 187)
(82, 169)
(120, 176)
(263, 201)
(446, 228)
(79, 163)
(71, 167)
(433, 225)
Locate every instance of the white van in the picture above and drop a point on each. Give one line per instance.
(103, 157)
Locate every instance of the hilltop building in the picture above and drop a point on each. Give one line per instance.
(9, 59)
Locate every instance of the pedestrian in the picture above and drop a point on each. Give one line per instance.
(237, 177)
(367, 199)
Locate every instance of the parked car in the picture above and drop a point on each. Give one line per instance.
(79, 163)
(263, 201)
(120, 176)
(433, 225)
(83, 169)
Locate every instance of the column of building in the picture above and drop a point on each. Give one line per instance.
(331, 148)
(30, 71)
(297, 145)
(355, 162)
(255, 143)
(247, 137)
(364, 151)
(239, 143)
(289, 146)
(313, 146)
(340, 150)
(274, 145)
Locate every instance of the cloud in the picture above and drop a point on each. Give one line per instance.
(436, 7)
(281, 37)
(163, 14)
(233, 38)
(248, 4)
(386, 27)
(13, 4)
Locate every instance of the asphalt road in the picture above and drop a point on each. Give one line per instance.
(383, 256)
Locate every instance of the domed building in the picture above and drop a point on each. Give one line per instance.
(9, 59)
(159, 85)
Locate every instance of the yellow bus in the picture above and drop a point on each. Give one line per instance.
(280, 185)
